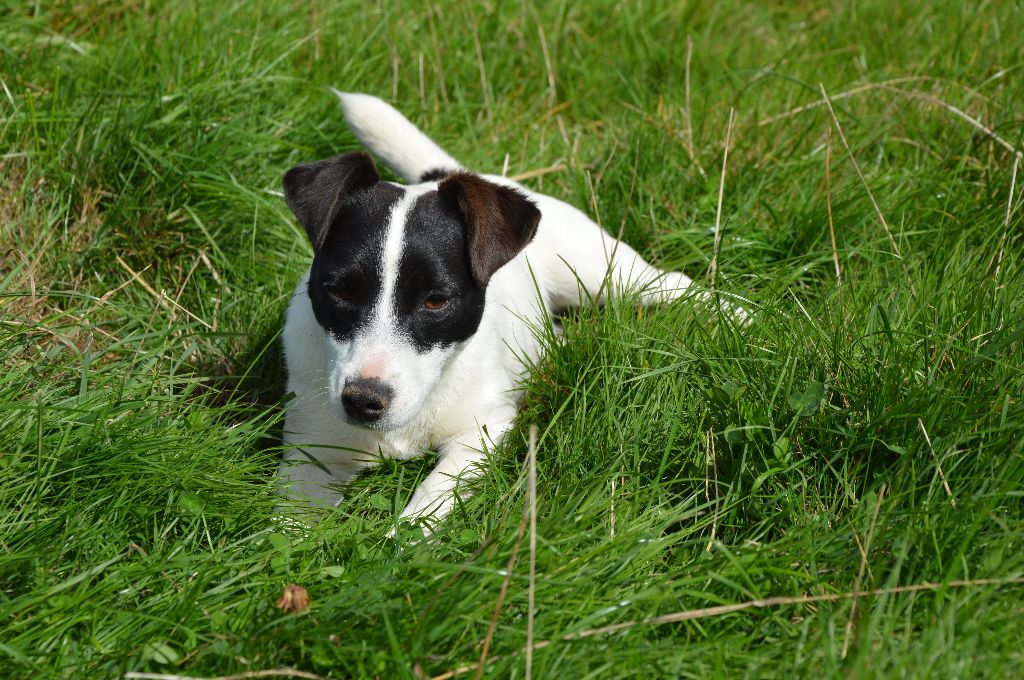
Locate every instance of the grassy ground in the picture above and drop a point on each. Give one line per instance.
(863, 433)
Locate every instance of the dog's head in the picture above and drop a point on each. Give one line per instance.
(399, 275)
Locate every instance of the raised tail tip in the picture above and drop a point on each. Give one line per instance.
(357, 104)
(393, 138)
(355, 98)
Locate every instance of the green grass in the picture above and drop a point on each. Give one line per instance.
(683, 463)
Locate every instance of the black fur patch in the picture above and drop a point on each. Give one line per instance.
(346, 279)
(453, 240)
(435, 175)
(434, 262)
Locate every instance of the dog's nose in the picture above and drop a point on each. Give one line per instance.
(366, 399)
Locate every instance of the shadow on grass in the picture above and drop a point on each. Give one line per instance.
(250, 384)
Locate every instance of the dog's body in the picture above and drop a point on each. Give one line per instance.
(413, 327)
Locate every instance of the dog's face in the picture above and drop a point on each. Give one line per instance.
(399, 276)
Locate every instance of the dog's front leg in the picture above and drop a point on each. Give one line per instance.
(307, 480)
(313, 477)
(459, 461)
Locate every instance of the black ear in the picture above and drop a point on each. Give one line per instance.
(314, 191)
(500, 221)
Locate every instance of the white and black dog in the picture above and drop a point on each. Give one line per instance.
(415, 322)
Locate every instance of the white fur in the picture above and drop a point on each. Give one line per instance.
(457, 402)
(391, 136)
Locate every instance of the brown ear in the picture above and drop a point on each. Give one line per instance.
(314, 191)
(500, 221)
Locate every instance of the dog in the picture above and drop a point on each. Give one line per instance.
(416, 321)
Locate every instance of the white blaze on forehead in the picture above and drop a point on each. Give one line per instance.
(382, 343)
(391, 258)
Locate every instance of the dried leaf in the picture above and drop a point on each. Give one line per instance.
(294, 599)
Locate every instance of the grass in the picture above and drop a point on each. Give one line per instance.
(862, 434)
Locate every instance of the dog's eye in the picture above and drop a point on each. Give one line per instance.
(435, 301)
(338, 295)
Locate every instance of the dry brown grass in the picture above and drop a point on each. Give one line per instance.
(35, 240)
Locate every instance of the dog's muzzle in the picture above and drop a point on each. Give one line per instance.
(366, 399)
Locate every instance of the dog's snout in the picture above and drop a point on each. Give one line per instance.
(366, 399)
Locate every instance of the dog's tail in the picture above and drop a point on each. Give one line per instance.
(391, 137)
